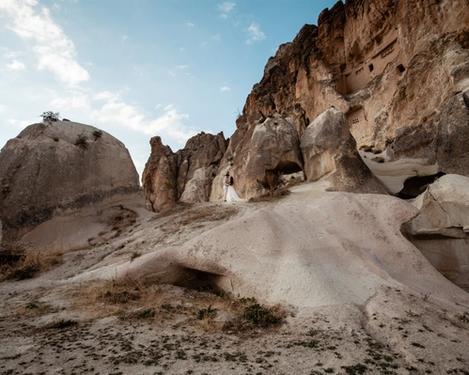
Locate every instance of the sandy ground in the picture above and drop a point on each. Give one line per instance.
(50, 326)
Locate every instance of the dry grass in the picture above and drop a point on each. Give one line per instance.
(30, 264)
(250, 315)
(129, 300)
(197, 214)
(271, 197)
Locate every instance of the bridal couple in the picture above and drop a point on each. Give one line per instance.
(229, 193)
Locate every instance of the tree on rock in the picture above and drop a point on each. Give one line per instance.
(50, 116)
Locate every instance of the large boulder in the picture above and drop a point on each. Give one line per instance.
(184, 176)
(55, 166)
(441, 228)
(329, 148)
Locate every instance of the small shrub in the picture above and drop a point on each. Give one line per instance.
(25, 271)
(140, 314)
(97, 134)
(261, 316)
(50, 116)
(355, 369)
(62, 324)
(145, 314)
(82, 142)
(32, 306)
(29, 265)
(207, 313)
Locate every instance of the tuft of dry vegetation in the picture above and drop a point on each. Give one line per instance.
(208, 313)
(97, 134)
(62, 324)
(82, 142)
(130, 299)
(251, 315)
(30, 264)
(272, 196)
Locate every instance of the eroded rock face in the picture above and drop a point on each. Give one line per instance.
(57, 166)
(274, 150)
(441, 228)
(160, 176)
(184, 176)
(329, 148)
(399, 70)
(198, 163)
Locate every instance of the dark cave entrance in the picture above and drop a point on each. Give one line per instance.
(416, 185)
(273, 177)
(201, 281)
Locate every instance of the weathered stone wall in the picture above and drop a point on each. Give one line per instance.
(184, 176)
(397, 69)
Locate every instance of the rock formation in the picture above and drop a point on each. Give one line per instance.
(312, 248)
(51, 167)
(184, 176)
(398, 70)
(441, 228)
(329, 148)
(159, 177)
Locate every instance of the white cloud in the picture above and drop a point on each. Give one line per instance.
(190, 25)
(226, 8)
(74, 101)
(15, 66)
(255, 34)
(55, 51)
(225, 89)
(170, 125)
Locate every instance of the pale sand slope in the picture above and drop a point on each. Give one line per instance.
(311, 249)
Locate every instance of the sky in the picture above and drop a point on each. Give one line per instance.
(140, 68)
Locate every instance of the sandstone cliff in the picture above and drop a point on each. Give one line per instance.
(58, 166)
(184, 176)
(398, 70)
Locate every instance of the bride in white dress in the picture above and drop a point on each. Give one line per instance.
(230, 194)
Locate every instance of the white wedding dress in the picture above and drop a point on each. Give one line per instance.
(231, 195)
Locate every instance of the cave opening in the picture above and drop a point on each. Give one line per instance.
(371, 67)
(202, 281)
(416, 185)
(401, 68)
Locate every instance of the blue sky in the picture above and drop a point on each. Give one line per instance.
(139, 68)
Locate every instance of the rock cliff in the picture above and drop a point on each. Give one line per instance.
(184, 176)
(57, 166)
(398, 70)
